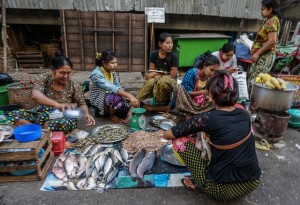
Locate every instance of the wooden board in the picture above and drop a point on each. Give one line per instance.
(123, 32)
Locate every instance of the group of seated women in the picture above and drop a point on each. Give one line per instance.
(207, 95)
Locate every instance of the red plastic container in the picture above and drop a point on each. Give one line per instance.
(58, 142)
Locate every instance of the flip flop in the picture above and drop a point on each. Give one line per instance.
(188, 187)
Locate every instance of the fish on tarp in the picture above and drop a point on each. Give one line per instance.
(124, 154)
(60, 173)
(86, 150)
(82, 162)
(80, 184)
(135, 162)
(69, 185)
(89, 168)
(107, 166)
(95, 149)
(60, 160)
(90, 184)
(71, 165)
(115, 160)
(118, 155)
(111, 175)
(101, 161)
(146, 164)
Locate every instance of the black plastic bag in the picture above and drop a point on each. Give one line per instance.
(5, 79)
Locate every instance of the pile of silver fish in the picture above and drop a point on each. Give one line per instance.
(104, 134)
(141, 163)
(94, 168)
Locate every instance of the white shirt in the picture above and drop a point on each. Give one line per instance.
(224, 65)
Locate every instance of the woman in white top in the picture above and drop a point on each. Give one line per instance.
(227, 57)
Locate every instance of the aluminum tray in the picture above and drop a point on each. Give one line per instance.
(154, 120)
(108, 127)
(167, 155)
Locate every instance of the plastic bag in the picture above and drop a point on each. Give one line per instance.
(5, 79)
(241, 78)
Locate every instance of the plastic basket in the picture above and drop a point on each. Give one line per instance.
(295, 79)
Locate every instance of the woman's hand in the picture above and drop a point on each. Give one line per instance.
(64, 106)
(232, 70)
(255, 57)
(89, 119)
(151, 75)
(134, 102)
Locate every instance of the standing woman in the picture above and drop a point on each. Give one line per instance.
(106, 92)
(227, 57)
(163, 71)
(263, 48)
(191, 95)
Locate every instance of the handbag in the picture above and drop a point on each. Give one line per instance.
(20, 93)
(199, 99)
(203, 143)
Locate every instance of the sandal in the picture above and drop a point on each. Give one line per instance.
(189, 186)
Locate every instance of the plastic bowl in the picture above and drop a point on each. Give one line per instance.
(26, 172)
(27, 133)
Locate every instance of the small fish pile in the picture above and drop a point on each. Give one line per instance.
(95, 168)
(141, 163)
(109, 134)
(144, 140)
(103, 134)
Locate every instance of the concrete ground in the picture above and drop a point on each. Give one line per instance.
(279, 182)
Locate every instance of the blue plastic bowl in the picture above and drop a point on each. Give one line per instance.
(26, 172)
(27, 133)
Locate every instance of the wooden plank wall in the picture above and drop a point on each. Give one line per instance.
(88, 32)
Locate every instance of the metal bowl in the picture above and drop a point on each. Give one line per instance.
(106, 135)
(167, 155)
(74, 113)
(154, 120)
(166, 124)
(272, 99)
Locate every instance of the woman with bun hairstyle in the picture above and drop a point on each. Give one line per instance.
(54, 91)
(232, 170)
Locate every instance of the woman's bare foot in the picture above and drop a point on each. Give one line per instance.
(188, 183)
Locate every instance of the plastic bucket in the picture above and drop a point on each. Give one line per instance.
(3, 96)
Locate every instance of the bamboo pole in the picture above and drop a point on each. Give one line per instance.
(129, 43)
(4, 36)
(95, 33)
(65, 33)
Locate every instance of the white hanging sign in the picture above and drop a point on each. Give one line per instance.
(155, 14)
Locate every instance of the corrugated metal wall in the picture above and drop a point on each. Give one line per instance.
(249, 9)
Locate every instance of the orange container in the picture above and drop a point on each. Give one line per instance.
(58, 140)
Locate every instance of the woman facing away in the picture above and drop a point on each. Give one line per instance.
(162, 77)
(54, 91)
(227, 57)
(191, 96)
(263, 48)
(106, 92)
(233, 169)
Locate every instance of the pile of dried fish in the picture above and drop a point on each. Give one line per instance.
(103, 134)
(95, 168)
(144, 140)
(108, 134)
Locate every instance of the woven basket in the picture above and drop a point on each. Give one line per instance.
(295, 79)
(20, 93)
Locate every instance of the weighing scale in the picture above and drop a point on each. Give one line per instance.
(138, 120)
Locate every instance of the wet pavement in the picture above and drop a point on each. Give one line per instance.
(280, 182)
